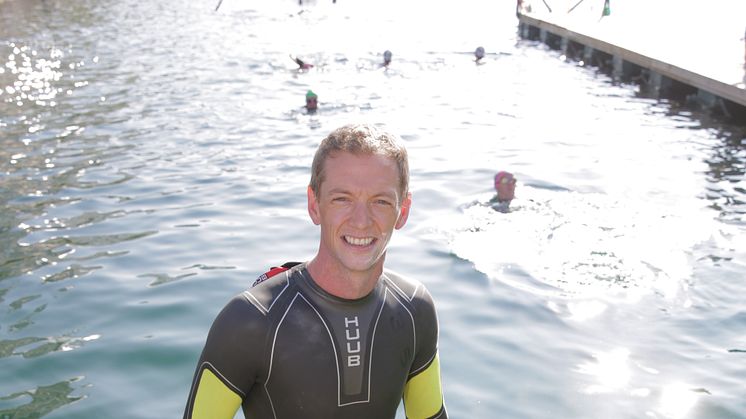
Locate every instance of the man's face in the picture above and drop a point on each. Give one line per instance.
(357, 208)
(311, 103)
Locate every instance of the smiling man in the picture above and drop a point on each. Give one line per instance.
(338, 336)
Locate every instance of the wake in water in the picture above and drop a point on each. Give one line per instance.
(565, 242)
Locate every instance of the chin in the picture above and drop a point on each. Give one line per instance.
(358, 265)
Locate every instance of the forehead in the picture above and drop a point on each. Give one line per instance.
(373, 172)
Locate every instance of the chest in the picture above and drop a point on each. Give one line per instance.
(326, 358)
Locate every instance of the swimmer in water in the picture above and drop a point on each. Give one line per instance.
(340, 336)
(302, 65)
(479, 53)
(505, 188)
(386, 58)
(312, 101)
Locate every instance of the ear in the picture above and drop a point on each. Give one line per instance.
(404, 211)
(313, 206)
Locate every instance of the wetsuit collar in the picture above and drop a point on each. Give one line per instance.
(309, 282)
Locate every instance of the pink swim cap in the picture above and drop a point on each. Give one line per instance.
(507, 176)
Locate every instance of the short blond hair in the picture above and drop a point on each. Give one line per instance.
(361, 139)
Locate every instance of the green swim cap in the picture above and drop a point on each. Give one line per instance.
(310, 95)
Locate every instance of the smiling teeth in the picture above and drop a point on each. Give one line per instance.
(358, 242)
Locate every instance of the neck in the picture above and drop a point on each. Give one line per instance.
(342, 282)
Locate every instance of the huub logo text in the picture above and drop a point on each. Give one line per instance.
(352, 334)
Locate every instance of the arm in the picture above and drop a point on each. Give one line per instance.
(212, 397)
(228, 365)
(423, 392)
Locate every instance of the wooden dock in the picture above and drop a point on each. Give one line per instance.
(715, 81)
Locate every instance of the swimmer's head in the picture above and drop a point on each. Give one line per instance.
(311, 100)
(505, 186)
(386, 57)
(479, 53)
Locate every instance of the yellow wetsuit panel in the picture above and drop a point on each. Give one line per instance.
(423, 394)
(213, 399)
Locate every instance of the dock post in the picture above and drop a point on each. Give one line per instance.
(563, 47)
(525, 30)
(587, 54)
(618, 67)
(707, 99)
(655, 82)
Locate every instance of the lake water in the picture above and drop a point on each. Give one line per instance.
(154, 158)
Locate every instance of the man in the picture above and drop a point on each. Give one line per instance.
(338, 336)
(505, 188)
(478, 54)
(312, 101)
(387, 58)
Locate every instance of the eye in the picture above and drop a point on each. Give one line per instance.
(383, 202)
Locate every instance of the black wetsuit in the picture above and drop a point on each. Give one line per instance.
(286, 349)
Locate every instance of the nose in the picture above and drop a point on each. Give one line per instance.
(360, 216)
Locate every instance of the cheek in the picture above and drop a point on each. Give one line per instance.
(386, 218)
(333, 217)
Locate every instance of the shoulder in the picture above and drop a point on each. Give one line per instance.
(413, 294)
(247, 312)
(237, 325)
(410, 289)
(274, 271)
(271, 286)
(405, 286)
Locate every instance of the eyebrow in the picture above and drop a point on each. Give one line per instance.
(376, 195)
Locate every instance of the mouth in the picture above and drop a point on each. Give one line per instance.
(358, 241)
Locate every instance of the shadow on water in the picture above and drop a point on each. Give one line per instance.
(44, 400)
(32, 347)
(727, 168)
